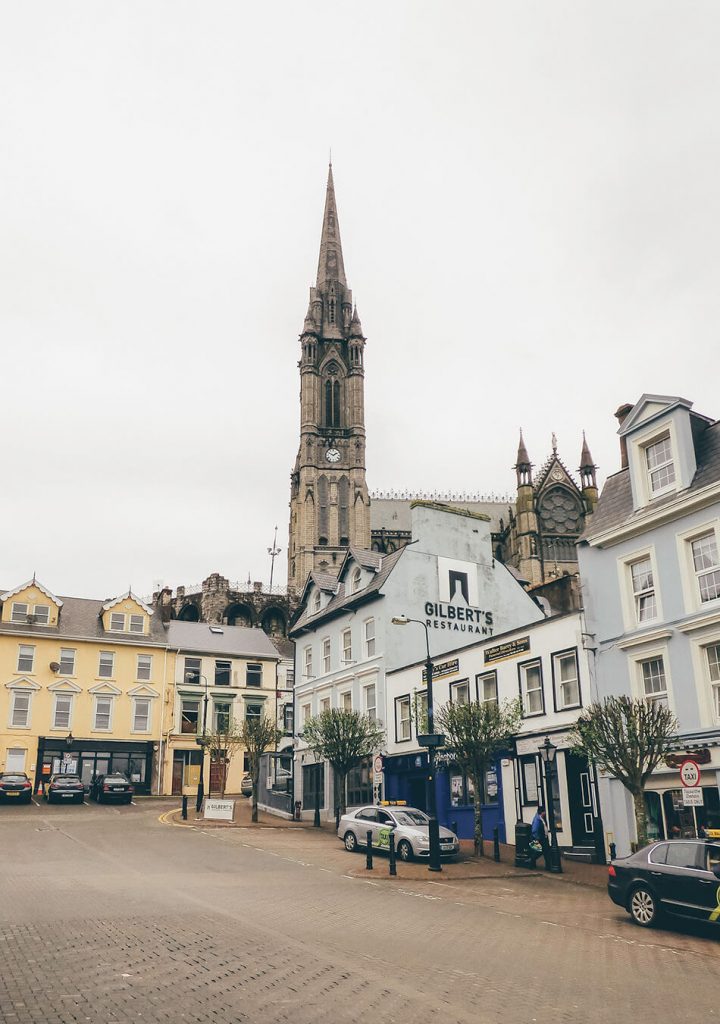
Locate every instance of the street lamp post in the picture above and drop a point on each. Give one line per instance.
(190, 676)
(433, 825)
(548, 752)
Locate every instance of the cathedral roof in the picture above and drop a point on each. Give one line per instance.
(330, 263)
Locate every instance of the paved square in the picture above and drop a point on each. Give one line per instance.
(108, 915)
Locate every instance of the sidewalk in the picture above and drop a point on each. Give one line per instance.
(243, 818)
(466, 867)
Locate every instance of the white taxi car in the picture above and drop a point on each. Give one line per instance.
(409, 825)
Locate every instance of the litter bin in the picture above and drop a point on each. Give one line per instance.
(523, 835)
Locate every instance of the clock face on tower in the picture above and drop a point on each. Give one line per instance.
(332, 455)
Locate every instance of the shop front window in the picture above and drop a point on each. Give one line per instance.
(462, 789)
(655, 827)
(679, 819)
(359, 784)
(313, 786)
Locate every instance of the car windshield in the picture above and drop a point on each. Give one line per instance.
(14, 778)
(411, 818)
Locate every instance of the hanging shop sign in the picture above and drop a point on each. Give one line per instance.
(444, 668)
(700, 756)
(510, 649)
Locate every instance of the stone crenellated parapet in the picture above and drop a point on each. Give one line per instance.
(219, 601)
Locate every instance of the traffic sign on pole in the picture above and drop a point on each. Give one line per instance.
(690, 773)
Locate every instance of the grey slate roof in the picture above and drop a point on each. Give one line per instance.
(394, 513)
(341, 600)
(285, 648)
(615, 506)
(80, 617)
(241, 641)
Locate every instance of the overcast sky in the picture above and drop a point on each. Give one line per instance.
(529, 208)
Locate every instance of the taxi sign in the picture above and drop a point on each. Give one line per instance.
(393, 803)
(712, 833)
(690, 773)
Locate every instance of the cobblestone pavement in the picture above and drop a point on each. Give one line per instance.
(108, 915)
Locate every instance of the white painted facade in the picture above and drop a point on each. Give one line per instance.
(551, 653)
(346, 643)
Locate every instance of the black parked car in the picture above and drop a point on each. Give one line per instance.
(680, 877)
(15, 786)
(105, 788)
(65, 787)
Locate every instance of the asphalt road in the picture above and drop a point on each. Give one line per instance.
(108, 915)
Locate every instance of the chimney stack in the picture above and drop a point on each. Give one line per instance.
(621, 415)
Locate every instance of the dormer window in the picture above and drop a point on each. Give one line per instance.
(660, 466)
(355, 581)
(117, 622)
(42, 614)
(316, 602)
(137, 623)
(20, 612)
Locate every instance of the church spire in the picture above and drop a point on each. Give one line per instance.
(587, 474)
(330, 263)
(523, 466)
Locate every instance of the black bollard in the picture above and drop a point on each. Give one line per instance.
(391, 850)
(496, 845)
(613, 851)
(368, 855)
(453, 827)
(184, 808)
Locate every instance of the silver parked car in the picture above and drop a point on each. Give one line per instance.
(409, 825)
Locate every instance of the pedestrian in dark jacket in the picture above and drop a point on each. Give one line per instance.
(539, 834)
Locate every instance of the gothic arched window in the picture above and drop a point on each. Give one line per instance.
(332, 403)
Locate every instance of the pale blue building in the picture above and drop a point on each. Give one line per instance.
(650, 569)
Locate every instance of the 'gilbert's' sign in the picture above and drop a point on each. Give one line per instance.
(459, 618)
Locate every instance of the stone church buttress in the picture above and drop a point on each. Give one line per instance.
(329, 503)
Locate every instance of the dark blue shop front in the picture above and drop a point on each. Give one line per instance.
(405, 778)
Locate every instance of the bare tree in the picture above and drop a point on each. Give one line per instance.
(258, 735)
(342, 738)
(626, 738)
(222, 745)
(476, 733)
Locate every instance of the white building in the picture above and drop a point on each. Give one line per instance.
(545, 663)
(346, 643)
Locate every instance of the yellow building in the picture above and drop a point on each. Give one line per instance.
(81, 686)
(221, 674)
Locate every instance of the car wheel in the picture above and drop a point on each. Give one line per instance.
(404, 850)
(351, 842)
(643, 907)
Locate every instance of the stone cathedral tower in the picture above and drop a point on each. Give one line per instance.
(329, 503)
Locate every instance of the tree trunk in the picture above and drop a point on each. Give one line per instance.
(341, 795)
(255, 801)
(478, 835)
(640, 817)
